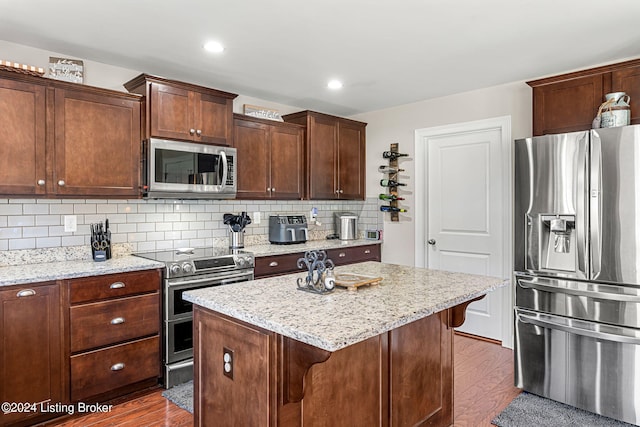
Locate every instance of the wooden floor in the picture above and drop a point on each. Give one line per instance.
(483, 385)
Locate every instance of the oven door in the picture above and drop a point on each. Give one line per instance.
(189, 170)
(176, 308)
(179, 340)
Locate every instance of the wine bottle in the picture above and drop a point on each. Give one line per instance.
(392, 155)
(390, 197)
(385, 208)
(387, 169)
(390, 183)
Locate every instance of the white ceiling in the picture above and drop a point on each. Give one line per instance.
(387, 53)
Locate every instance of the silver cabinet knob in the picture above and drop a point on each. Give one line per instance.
(117, 367)
(273, 264)
(61, 183)
(41, 182)
(192, 131)
(199, 132)
(117, 321)
(340, 191)
(273, 189)
(431, 241)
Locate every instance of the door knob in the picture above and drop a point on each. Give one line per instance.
(431, 241)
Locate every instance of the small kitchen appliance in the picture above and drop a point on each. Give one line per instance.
(346, 225)
(288, 229)
(188, 269)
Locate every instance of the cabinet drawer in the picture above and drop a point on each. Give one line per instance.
(354, 254)
(108, 322)
(113, 285)
(277, 264)
(104, 370)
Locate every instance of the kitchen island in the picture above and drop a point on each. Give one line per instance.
(266, 353)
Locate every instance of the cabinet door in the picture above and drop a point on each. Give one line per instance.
(252, 142)
(567, 106)
(170, 112)
(351, 161)
(628, 80)
(97, 144)
(31, 355)
(322, 158)
(22, 138)
(286, 166)
(212, 119)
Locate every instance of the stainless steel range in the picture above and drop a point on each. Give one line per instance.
(187, 269)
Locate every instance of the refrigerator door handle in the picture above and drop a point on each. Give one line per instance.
(582, 214)
(595, 204)
(600, 294)
(580, 327)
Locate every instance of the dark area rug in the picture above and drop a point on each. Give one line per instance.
(528, 410)
(181, 395)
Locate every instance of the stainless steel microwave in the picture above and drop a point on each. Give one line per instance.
(185, 170)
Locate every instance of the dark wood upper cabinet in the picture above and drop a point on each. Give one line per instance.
(97, 144)
(335, 155)
(270, 158)
(60, 139)
(183, 111)
(22, 137)
(570, 102)
(628, 80)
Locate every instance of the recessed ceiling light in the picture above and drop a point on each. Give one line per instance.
(334, 84)
(213, 46)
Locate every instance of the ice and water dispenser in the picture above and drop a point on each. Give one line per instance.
(552, 243)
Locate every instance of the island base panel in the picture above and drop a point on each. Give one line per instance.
(400, 378)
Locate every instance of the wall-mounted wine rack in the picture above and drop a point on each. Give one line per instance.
(393, 173)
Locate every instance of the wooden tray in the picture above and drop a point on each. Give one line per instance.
(353, 281)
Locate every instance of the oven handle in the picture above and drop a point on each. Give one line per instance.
(602, 295)
(214, 280)
(616, 334)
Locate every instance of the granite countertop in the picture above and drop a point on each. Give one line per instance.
(42, 272)
(342, 318)
(272, 249)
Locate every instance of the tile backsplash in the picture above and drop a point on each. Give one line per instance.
(147, 225)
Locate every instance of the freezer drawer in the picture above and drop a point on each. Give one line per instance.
(614, 304)
(584, 364)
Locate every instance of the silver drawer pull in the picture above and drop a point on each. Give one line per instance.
(116, 285)
(342, 255)
(26, 293)
(367, 251)
(117, 320)
(273, 264)
(117, 367)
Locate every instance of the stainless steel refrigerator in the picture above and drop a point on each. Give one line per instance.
(577, 269)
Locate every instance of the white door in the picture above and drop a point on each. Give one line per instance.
(466, 214)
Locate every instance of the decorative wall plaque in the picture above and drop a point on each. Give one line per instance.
(261, 112)
(68, 70)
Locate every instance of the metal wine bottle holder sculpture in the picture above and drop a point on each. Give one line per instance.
(320, 278)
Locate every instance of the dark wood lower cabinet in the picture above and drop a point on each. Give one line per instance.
(400, 378)
(32, 366)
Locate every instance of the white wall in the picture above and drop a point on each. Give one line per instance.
(399, 124)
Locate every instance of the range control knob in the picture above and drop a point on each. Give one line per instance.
(187, 268)
(241, 261)
(175, 269)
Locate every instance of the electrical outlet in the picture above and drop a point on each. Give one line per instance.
(227, 362)
(256, 218)
(70, 223)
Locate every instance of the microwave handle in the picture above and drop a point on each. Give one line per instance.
(223, 155)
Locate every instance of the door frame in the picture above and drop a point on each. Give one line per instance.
(422, 137)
